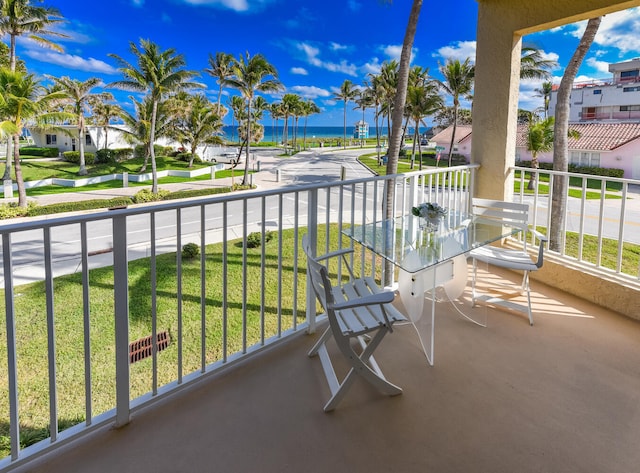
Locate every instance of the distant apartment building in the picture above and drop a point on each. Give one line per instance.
(617, 100)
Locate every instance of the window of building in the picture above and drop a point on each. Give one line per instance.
(629, 74)
(87, 139)
(597, 92)
(584, 158)
(52, 139)
(630, 89)
(629, 108)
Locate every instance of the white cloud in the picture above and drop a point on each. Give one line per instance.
(600, 66)
(310, 91)
(236, 5)
(299, 70)
(392, 51)
(460, 50)
(372, 67)
(336, 46)
(619, 30)
(312, 53)
(71, 61)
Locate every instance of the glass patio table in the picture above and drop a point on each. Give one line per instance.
(429, 256)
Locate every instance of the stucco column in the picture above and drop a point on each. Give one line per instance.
(501, 25)
(495, 103)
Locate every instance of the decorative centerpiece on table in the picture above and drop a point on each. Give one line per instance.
(430, 214)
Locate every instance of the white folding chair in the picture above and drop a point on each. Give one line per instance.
(514, 215)
(357, 309)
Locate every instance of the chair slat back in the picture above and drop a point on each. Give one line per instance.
(319, 276)
(510, 213)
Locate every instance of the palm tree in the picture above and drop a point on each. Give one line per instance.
(195, 122)
(20, 18)
(533, 65)
(545, 91)
(364, 100)
(138, 124)
(23, 99)
(458, 82)
(421, 102)
(346, 93)
(376, 92)
(288, 105)
(539, 140)
(78, 102)
(221, 69)
(398, 112)
(103, 113)
(251, 75)
(159, 73)
(310, 108)
(388, 81)
(561, 147)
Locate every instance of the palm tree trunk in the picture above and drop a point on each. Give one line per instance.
(561, 134)
(453, 133)
(245, 177)
(22, 192)
(398, 111)
(344, 136)
(83, 167)
(152, 151)
(377, 135)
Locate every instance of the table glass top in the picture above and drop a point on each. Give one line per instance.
(412, 244)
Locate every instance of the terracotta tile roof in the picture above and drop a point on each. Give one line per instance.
(462, 132)
(594, 136)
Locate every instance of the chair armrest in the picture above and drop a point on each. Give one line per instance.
(333, 254)
(543, 239)
(379, 298)
(538, 235)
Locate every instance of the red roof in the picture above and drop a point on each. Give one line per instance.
(462, 132)
(594, 136)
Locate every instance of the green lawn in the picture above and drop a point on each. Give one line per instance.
(36, 170)
(31, 327)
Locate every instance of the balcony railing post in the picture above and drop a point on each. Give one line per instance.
(121, 304)
(312, 232)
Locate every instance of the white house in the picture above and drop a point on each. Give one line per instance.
(612, 100)
(65, 138)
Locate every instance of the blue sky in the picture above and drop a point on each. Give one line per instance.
(315, 46)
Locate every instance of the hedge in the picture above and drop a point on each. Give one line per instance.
(114, 155)
(576, 168)
(36, 151)
(74, 157)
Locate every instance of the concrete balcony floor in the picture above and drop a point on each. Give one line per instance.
(561, 396)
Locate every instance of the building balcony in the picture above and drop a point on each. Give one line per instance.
(235, 391)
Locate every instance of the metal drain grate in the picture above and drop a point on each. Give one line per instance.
(143, 347)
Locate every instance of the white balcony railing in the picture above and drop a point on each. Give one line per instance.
(601, 218)
(79, 289)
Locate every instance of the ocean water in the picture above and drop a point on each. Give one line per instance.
(317, 132)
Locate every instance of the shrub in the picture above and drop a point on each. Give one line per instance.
(12, 210)
(190, 251)
(576, 168)
(141, 150)
(74, 157)
(77, 206)
(145, 195)
(113, 155)
(35, 151)
(254, 239)
(186, 157)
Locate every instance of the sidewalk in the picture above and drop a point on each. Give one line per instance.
(265, 179)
